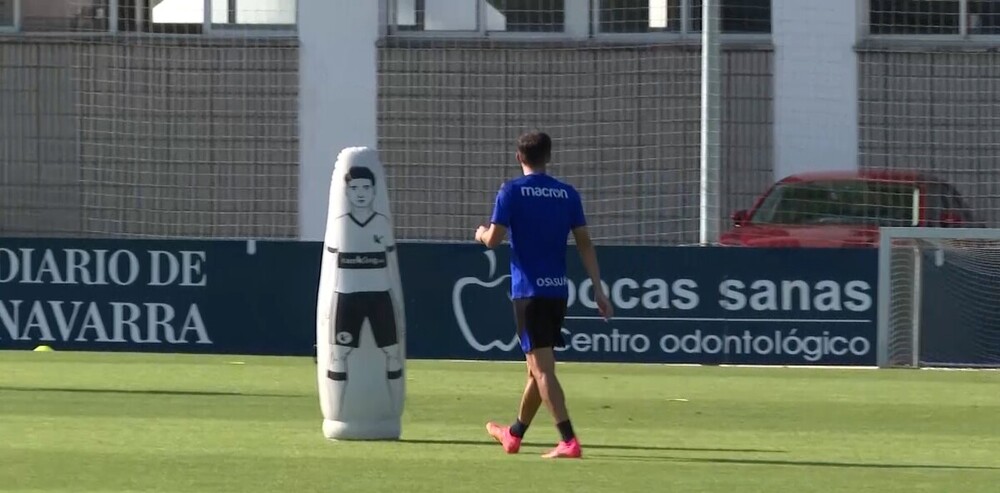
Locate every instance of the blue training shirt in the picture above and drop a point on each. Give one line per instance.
(539, 212)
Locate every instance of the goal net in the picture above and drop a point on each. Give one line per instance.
(150, 118)
(939, 297)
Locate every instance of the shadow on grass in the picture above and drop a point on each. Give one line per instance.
(588, 446)
(191, 393)
(791, 463)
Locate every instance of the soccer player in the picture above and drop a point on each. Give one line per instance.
(365, 244)
(540, 212)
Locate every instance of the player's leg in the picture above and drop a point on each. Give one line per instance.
(542, 361)
(384, 329)
(540, 335)
(547, 316)
(531, 400)
(510, 436)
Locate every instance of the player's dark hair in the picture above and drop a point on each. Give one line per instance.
(359, 173)
(535, 148)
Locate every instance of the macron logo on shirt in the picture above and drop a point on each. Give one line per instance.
(546, 192)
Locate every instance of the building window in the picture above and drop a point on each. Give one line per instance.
(639, 16)
(738, 16)
(984, 16)
(478, 15)
(436, 15)
(255, 13)
(525, 15)
(610, 18)
(148, 16)
(172, 16)
(644, 16)
(7, 14)
(63, 15)
(178, 12)
(934, 17)
(189, 16)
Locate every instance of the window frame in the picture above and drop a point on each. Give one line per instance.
(208, 28)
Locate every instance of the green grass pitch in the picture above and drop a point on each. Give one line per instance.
(81, 422)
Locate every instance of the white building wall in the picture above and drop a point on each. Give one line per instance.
(815, 85)
(337, 96)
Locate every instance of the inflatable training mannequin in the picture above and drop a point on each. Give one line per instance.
(360, 334)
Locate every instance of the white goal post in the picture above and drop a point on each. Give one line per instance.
(938, 297)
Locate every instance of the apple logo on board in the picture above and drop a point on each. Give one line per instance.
(463, 323)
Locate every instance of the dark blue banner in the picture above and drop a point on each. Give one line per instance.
(164, 296)
(673, 305)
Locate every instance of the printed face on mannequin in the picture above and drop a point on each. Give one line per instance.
(360, 192)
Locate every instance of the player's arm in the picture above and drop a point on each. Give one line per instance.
(588, 256)
(491, 236)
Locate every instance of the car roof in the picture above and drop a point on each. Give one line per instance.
(868, 174)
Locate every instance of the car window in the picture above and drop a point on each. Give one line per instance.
(846, 202)
(955, 204)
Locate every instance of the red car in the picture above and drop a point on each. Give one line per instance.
(846, 209)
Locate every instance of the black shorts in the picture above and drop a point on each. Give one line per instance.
(539, 322)
(354, 308)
